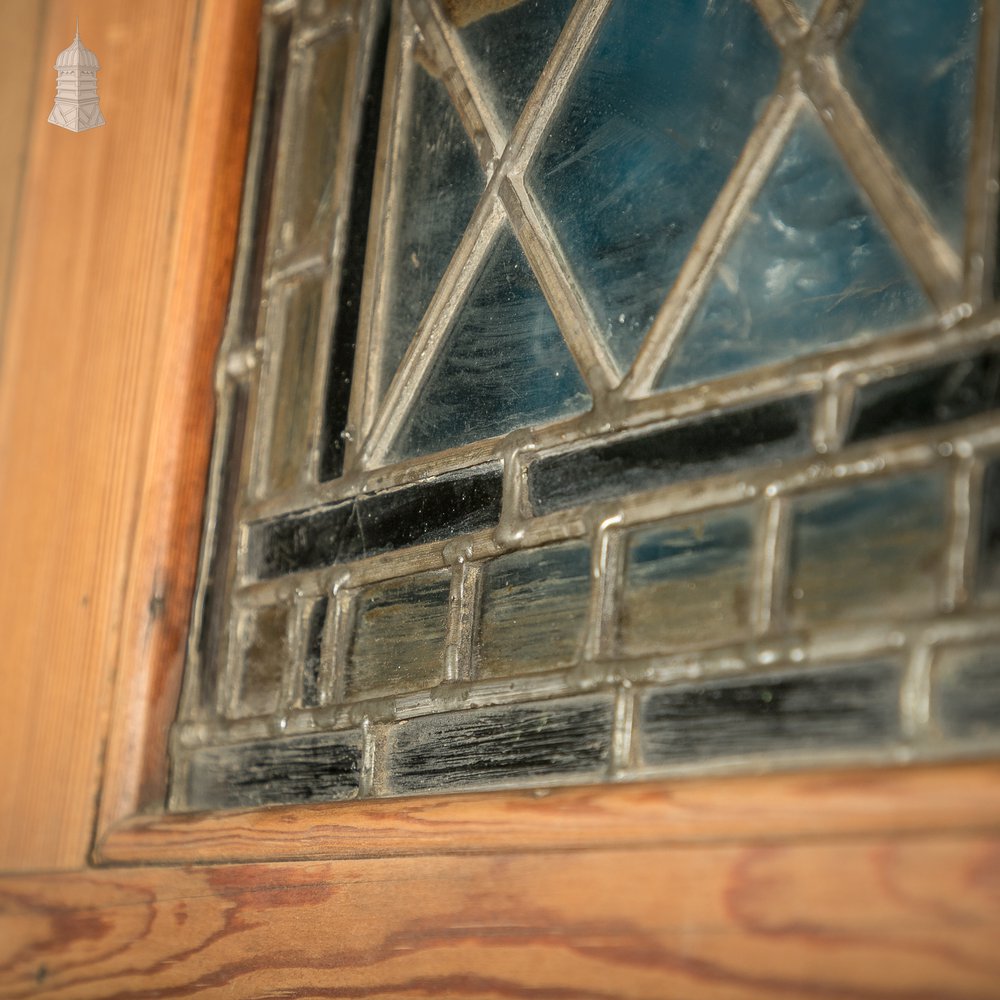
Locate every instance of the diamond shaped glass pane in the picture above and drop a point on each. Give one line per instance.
(910, 65)
(811, 267)
(650, 131)
(505, 364)
(440, 181)
(509, 48)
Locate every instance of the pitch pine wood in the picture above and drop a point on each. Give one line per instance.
(118, 284)
(873, 917)
(830, 804)
(22, 23)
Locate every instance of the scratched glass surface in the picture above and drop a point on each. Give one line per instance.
(504, 365)
(509, 48)
(871, 550)
(687, 581)
(399, 636)
(290, 444)
(308, 187)
(534, 610)
(810, 267)
(650, 131)
(440, 183)
(910, 64)
(263, 637)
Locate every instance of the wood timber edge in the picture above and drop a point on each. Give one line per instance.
(832, 804)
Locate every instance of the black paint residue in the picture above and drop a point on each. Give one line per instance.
(378, 522)
(724, 442)
(845, 707)
(519, 743)
(296, 769)
(936, 394)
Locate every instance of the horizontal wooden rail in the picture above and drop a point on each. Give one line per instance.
(755, 809)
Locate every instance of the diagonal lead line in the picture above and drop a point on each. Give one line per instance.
(552, 272)
(720, 225)
(531, 225)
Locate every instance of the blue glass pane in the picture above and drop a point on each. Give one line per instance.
(505, 364)
(910, 65)
(650, 132)
(441, 183)
(509, 49)
(811, 267)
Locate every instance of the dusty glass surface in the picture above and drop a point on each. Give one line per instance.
(651, 129)
(439, 185)
(534, 610)
(399, 634)
(504, 365)
(289, 446)
(310, 176)
(910, 65)
(265, 652)
(509, 48)
(811, 267)
(869, 551)
(687, 582)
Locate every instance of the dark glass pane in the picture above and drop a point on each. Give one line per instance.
(399, 637)
(868, 551)
(724, 442)
(811, 267)
(509, 48)
(440, 184)
(345, 332)
(315, 623)
(966, 691)
(505, 364)
(290, 439)
(925, 397)
(988, 570)
(687, 582)
(373, 523)
(263, 636)
(296, 769)
(651, 130)
(517, 743)
(910, 65)
(845, 708)
(534, 610)
(308, 189)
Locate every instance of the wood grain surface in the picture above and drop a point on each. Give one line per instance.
(752, 809)
(866, 917)
(115, 298)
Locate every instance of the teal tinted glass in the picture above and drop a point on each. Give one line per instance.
(505, 364)
(810, 267)
(441, 182)
(650, 131)
(509, 49)
(910, 65)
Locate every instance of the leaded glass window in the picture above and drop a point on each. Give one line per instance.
(610, 389)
